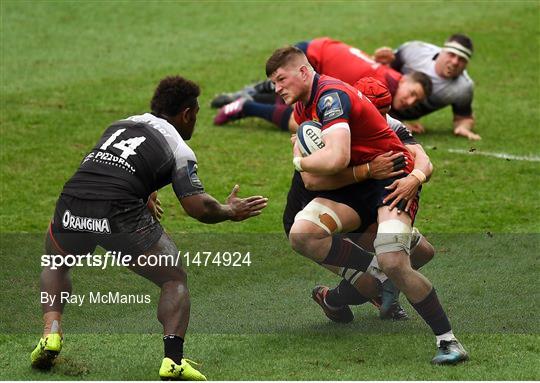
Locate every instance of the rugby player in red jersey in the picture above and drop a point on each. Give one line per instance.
(333, 58)
(356, 287)
(354, 132)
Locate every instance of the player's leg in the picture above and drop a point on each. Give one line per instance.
(421, 253)
(276, 113)
(55, 280)
(392, 246)
(172, 311)
(262, 91)
(313, 235)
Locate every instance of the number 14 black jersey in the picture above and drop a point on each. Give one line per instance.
(133, 158)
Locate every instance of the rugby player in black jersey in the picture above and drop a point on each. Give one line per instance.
(105, 203)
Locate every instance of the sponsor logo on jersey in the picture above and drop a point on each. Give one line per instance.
(109, 159)
(331, 106)
(93, 225)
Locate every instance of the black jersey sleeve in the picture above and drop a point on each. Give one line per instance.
(185, 180)
(401, 131)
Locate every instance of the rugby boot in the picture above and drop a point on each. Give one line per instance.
(46, 351)
(230, 112)
(396, 311)
(341, 315)
(226, 98)
(389, 300)
(170, 370)
(450, 352)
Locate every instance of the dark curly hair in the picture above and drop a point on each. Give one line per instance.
(173, 94)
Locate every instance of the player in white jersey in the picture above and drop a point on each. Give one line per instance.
(451, 84)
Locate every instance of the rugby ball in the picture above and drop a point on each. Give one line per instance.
(309, 138)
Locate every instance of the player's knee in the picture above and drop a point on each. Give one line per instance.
(176, 288)
(299, 240)
(392, 263)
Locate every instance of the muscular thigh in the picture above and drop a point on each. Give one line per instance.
(166, 270)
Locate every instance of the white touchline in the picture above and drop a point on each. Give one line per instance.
(497, 155)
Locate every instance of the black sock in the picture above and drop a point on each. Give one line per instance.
(265, 98)
(344, 253)
(345, 294)
(432, 313)
(278, 114)
(174, 348)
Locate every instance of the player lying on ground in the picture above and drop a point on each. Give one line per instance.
(451, 85)
(446, 67)
(366, 286)
(133, 158)
(329, 57)
(354, 133)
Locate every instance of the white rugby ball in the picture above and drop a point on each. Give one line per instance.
(309, 138)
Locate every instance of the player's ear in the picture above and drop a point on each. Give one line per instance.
(186, 115)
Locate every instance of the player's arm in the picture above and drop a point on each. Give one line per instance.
(202, 206)
(384, 56)
(406, 188)
(332, 109)
(421, 160)
(154, 205)
(205, 208)
(463, 126)
(463, 120)
(383, 166)
(333, 157)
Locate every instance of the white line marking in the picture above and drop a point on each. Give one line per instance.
(497, 155)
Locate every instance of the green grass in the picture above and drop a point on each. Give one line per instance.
(68, 69)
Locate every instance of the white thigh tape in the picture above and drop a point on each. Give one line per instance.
(322, 216)
(393, 235)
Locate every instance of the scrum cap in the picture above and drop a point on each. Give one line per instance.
(375, 91)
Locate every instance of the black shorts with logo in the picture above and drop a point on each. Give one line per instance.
(364, 198)
(79, 225)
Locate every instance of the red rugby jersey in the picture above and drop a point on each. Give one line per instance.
(332, 102)
(337, 59)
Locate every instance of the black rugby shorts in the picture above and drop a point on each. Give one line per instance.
(79, 225)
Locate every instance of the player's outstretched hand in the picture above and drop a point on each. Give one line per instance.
(461, 131)
(384, 55)
(244, 208)
(403, 189)
(387, 165)
(154, 205)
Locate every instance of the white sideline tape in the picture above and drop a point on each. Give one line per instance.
(496, 155)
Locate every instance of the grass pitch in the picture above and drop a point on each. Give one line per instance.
(69, 69)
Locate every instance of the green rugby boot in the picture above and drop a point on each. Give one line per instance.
(46, 351)
(172, 371)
